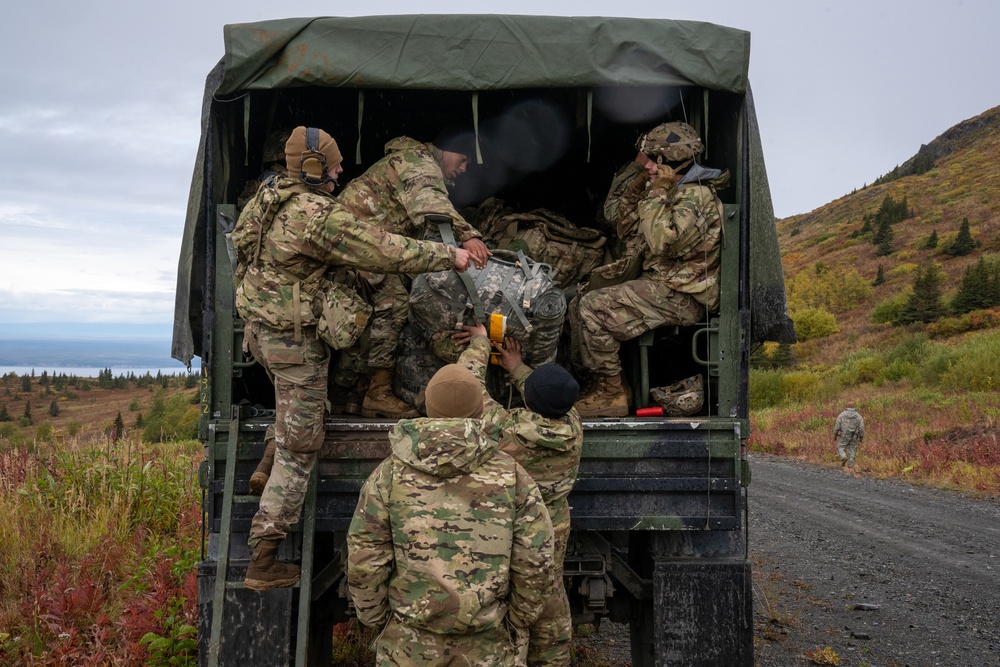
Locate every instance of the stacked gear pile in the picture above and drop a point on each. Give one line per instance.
(681, 399)
(544, 236)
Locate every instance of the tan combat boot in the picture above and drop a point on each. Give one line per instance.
(258, 480)
(606, 398)
(381, 402)
(266, 572)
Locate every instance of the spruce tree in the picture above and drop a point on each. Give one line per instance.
(54, 409)
(4, 415)
(119, 428)
(883, 239)
(980, 287)
(26, 384)
(879, 277)
(963, 243)
(27, 411)
(924, 304)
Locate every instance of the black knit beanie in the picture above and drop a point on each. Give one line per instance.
(551, 391)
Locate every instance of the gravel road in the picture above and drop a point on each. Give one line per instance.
(883, 573)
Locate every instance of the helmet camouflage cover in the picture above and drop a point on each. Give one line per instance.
(681, 399)
(675, 142)
(274, 145)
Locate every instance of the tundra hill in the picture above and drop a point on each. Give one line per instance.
(830, 264)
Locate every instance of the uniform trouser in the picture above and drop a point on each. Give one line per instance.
(609, 315)
(299, 373)
(402, 645)
(550, 638)
(391, 307)
(847, 449)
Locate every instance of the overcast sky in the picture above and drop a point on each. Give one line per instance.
(100, 107)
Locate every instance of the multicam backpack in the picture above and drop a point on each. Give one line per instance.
(544, 236)
(681, 399)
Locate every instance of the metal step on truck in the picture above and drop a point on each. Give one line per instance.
(659, 510)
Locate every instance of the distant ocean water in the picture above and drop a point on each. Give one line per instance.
(87, 357)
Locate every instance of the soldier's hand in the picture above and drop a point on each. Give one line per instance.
(665, 177)
(510, 353)
(462, 259)
(468, 331)
(480, 253)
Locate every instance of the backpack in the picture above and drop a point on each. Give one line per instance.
(544, 236)
(510, 284)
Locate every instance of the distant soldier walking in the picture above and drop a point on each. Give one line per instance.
(848, 432)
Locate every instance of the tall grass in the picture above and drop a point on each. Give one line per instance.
(97, 553)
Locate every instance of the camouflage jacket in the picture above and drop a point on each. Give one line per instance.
(549, 449)
(682, 226)
(450, 535)
(620, 206)
(849, 426)
(290, 234)
(401, 189)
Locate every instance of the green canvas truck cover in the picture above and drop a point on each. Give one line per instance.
(477, 53)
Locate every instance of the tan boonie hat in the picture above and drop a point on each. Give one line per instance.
(681, 399)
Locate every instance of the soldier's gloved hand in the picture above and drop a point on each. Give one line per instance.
(462, 259)
(665, 177)
(480, 253)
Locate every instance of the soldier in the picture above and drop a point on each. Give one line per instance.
(546, 437)
(398, 193)
(450, 547)
(674, 229)
(297, 249)
(273, 159)
(848, 432)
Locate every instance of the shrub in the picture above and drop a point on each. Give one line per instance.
(802, 386)
(887, 311)
(813, 323)
(861, 367)
(767, 389)
(170, 419)
(975, 365)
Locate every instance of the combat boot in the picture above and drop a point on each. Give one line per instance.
(381, 402)
(258, 480)
(606, 398)
(356, 397)
(266, 571)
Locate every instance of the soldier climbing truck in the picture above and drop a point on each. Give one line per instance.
(659, 510)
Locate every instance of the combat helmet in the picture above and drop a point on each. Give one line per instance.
(674, 142)
(681, 399)
(274, 145)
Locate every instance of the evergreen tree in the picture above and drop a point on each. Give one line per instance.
(963, 243)
(924, 304)
(883, 239)
(26, 384)
(54, 409)
(44, 379)
(980, 287)
(879, 277)
(4, 415)
(27, 411)
(118, 430)
(930, 242)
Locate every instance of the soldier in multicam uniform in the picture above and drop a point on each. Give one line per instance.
(450, 547)
(288, 239)
(546, 437)
(848, 432)
(273, 160)
(398, 193)
(675, 227)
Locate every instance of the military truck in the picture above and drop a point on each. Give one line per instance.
(659, 511)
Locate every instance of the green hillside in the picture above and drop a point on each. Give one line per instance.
(897, 309)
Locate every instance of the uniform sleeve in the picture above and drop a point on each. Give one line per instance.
(423, 192)
(476, 357)
(625, 191)
(659, 222)
(861, 428)
(836, 426)
(520, 375)
(532, 566)
(342, 240)
(369, 550)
